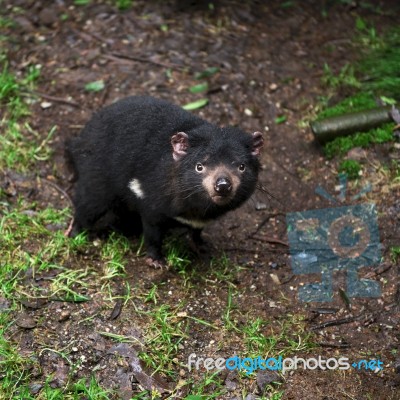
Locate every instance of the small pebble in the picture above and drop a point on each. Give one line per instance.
(261, 206)
(64, 315)
(248, 112)
(45, 104)
(273, 87)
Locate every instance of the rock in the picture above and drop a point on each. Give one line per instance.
(64, 315)
(357, 154)
(35, 388)
(24, 23)
(231, 381)
(261, 206)
(25, 321)
(4, 304)
(265, 378)
(45, 104)
(397, 366)
(48, 17)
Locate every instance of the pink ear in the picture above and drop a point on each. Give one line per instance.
(180, 144)
(258, 142)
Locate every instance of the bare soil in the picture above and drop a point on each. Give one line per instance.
(270, 61)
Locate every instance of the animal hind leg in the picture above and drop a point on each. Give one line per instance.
(90, 208)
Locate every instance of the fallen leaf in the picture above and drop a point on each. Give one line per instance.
(195, 104)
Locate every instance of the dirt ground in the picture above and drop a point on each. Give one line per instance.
(270, 61)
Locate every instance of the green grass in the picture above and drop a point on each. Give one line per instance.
(341, 145)
(284, 337)
(345, 77)
(26, 243)
(8, 85)
(222, 269)
(351, 168)
(212, 384)
(395, 253)
(165, 332)
(358, 102)
(6, 22)
(113, 251)
(178, 256)
(379, 69)
(120, 4)
(14, 369)
(123, 4)
(375, 76)
(20, 145)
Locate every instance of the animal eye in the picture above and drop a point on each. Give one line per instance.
(242, 167)
(199, 167)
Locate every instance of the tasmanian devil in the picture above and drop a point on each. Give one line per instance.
(145, 161)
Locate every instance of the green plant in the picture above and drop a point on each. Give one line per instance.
(8, 85)
(123, 4)
(375, 75)
(283, 337)
(223, 269)
(14, 369)
(165, 333)
(82, 2)
(358, 102)
(229, 323)
(6, 22)
(342, 145)
(177, 253)
(395, 253)
(113, 253)
(346, 77)
(351, 168)
(95, 86)
(90, 390)
(22, 147)
(210, 387)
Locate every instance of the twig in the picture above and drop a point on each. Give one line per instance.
(335, 345)
(59, 189)
(271, 240)
(336, 322)
(244, 250)
(377, 272)
(325, 310)
(119, 56)
(68, 231)
(54, 98)
(68, 198)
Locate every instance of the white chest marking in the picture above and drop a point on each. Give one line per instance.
(135, 186)
(194, 223)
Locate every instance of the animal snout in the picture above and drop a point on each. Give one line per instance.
(223, 186)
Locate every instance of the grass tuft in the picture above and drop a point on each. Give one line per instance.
(351, 168)
(375, 76)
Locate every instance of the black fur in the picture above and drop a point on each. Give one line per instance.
(136, 138)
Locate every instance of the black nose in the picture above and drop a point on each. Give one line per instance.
(223, 186)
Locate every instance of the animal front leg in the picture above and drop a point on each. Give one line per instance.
(153, 235)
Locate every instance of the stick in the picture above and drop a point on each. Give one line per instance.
(118, 56)
(336, 322)
(55, 98)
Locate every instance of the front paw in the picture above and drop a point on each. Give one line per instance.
(156, 263)
(197, 244)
